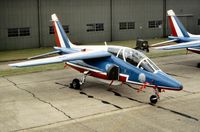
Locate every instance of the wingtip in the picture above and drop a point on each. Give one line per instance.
(156, 48)
(171, 13)
(12, 65)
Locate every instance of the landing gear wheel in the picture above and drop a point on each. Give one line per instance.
(153, 99)
(75, 84)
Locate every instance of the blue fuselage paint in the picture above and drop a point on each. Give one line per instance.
(159, 78)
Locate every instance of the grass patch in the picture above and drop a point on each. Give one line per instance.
(166, 53)
(18, 71)
(22, 54)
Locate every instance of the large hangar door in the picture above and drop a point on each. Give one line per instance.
(19, 24)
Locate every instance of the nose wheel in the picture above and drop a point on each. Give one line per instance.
(154, 99)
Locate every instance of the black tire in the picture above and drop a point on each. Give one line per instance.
(153, 99)
(75, 84)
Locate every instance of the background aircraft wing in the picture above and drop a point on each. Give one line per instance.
(63, 58)
(192, 44)
(46, 54)
(164, 42)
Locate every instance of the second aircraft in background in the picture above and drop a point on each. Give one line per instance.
(180, 35)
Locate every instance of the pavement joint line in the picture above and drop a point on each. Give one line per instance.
(190, 92)
(90, 96)
(83, 118)
(23, 129)
(39, 99)
(175, 75)
(36, 81)
(103, 101)
(178, 113)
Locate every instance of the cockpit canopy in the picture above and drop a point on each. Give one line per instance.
(134, 57)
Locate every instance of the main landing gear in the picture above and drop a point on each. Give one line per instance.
(76, 83)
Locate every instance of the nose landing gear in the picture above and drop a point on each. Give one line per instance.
(153, 99)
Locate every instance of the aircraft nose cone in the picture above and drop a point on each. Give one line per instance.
(168, 82)
(181, 87)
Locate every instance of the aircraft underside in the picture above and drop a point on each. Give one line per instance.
(194, 50)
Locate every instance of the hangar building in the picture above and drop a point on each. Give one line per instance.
(26, 23)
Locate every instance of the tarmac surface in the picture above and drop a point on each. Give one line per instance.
(43, 102)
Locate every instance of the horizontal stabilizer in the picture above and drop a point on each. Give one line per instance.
(46, 54)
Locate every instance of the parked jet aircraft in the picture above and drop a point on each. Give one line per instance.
(180, 35)
(112, 64)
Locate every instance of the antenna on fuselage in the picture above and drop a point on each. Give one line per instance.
(105, 43)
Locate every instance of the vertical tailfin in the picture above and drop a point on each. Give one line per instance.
(61, 38)
(177, 28)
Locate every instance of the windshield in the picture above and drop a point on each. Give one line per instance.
(114, 50)
(134, 57)
(138, 59)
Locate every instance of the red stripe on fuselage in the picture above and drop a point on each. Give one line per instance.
(174, 33)
(193, 50)
(56, 35)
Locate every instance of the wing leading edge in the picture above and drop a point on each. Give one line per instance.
(63, 58)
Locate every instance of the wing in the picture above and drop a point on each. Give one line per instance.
(192, 44)
(64, 58)
(162, 43)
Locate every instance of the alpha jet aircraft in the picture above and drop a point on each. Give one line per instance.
(112, 64)
(180, 35)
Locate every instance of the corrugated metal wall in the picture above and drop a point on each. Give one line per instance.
(139, 11)
(78, 13)
(18, 14)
